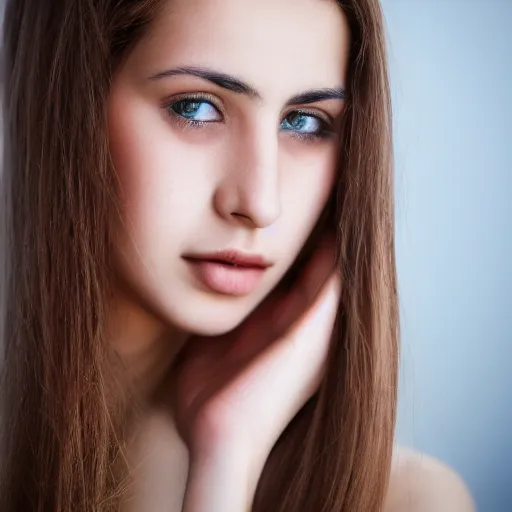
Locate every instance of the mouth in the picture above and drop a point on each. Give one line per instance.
(228, 272)
(233, 258)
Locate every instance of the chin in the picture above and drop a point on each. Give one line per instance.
(209, 315)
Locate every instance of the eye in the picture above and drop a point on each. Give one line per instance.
(305, 125)
(195, 110)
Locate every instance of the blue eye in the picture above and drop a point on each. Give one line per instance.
(304, 124)
(196, 110)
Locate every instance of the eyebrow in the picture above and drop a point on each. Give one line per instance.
(236, 85)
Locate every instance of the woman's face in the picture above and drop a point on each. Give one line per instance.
(224, 124)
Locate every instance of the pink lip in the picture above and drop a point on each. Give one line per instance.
(233, 257)
(228, 272)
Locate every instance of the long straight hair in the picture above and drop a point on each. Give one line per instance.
(64, 408)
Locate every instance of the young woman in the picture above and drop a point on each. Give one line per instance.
(200, 307)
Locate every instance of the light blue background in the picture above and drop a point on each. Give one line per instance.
(451, 70)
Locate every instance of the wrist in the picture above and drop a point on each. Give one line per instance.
(222, 479)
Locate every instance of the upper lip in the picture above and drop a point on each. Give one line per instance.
(234, 257)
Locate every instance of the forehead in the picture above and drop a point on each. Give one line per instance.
(273, 44)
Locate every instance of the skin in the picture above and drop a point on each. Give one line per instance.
(420, 483)
(246, 179)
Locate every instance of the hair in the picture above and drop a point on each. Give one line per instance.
(64, 407)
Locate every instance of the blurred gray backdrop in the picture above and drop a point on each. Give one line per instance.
(451, 73)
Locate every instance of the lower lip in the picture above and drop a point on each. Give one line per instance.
(227, 279)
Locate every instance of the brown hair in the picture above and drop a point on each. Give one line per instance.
(64, 412)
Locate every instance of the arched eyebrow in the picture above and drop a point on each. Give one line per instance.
(238, 86)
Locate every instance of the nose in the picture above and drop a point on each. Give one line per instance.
(249, 190)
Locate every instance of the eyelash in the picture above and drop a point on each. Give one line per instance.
(326, 130)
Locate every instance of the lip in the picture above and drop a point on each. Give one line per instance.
(232, 257)
(228, 272)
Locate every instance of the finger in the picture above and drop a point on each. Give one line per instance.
(293, 367)
(304, 349)
(277, 312)
(309, 284)
(321, 313)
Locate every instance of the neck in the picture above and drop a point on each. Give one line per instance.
(147, 346)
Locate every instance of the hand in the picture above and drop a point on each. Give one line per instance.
(243, 388)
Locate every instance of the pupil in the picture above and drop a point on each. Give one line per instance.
(297, 120)
(190, 107)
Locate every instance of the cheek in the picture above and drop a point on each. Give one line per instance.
(308, 181)
(157, 174)
(138, 154)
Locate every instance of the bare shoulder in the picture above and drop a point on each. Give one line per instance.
(420, 483)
